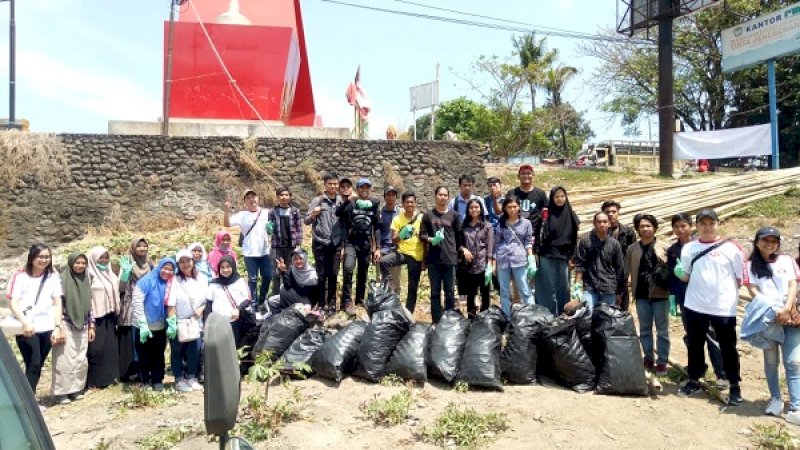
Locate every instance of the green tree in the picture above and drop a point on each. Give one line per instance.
(556, 79)
(533, 61)
(468, 119)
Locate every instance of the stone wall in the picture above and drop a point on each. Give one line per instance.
(149, 181)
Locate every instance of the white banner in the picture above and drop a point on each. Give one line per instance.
(732, 143)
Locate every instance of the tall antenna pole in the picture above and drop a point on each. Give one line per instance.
(168, 69)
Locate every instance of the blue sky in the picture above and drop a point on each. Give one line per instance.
(83, 62)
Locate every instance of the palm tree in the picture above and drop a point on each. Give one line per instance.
(533, 60)
(554, 81)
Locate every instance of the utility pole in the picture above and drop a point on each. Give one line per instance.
(12, 66)
(433, 103)
(666, 107)
(168, 69)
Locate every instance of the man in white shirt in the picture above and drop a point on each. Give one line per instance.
(254, 240)
(715, 269)
(459, 202)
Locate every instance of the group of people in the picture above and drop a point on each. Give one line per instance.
(105, 327)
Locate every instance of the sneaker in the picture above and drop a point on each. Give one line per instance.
(192, 382)
(735, 396)
(774, 407)
(661, 370)
(690, 388)
(648, 364)
(42, 408)
(183, 386)
(793, 417)
(76, 396)
(158, 387)
(723, 384)
(350, 310)
(63, 400)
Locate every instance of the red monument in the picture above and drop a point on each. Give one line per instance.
(262, 44)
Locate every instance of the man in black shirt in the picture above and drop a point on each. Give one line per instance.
(599, 264)
(441, 233)
(360, 218)
(531, 200)
(326, 239)
(622, 233)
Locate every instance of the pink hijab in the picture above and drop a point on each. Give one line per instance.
(218, 252)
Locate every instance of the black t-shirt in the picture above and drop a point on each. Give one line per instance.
(447, 251)
(284, 234)
(647, 264)
(361, 224)
(531, 205)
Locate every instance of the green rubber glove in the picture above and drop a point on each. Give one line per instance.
(144, 331)
(532, 269)
(363, 204)
(270, 227)
(172, 327)
(406, 232)
(125, 268)
(438, 237)
(576, 292)
(673, 307)
(678, 270)
(487, 274)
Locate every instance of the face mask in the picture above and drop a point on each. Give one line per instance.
(102, 267)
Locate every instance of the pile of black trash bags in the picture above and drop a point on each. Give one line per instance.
(589, 351)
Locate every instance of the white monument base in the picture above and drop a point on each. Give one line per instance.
(235, 128)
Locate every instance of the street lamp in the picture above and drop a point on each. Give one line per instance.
(12, 77)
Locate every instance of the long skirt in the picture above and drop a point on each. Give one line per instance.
(103, 354)
(552, 284)
(128, 369)
(69, 362)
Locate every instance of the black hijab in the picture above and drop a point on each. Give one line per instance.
(561, 227)
(233, 278)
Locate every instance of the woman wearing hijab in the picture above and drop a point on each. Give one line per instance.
(149, 297)
(556, 248)
(103, 353)
(201, 261)
(229, 295)
(187, 301)
(69, 358)
(134, 267)
(222, 247)
(299, 281)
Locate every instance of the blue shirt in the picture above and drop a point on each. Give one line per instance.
(512, 251)
(494, 219)
(386, 228)
(459, 205)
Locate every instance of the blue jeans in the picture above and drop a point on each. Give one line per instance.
(442, 275)
(791, 363)
(520, 275)
(258, 265)
(184, 351)
(552, 284)
(654, 311)
(593, 298)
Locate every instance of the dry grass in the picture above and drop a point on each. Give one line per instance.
(392, 178)
(36, 158)
(312, 175)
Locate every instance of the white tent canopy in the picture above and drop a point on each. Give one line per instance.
(732, 143)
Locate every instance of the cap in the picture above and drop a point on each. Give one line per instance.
(707, 212)
(346, 180)
(248, 192)
(525, 167)
(363, 182)
(388, 189)
(768, 231)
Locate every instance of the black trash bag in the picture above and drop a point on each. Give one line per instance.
(384, 331)
(571, 364)
(410, 358)
(603, 314)
(519, 358)
(337, 356)
(583, 326)
(447, 345)
(278, 332)
(480, 363)
(302, 349)
(493, 316)
(622, 372)
(381, 297)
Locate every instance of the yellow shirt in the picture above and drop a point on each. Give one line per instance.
(411, 246)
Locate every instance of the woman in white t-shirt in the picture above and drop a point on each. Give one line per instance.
(774, 277)
(229, 295)
(34, 294)
(187, 300)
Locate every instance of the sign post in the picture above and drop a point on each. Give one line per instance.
(773, 114)
(424, 96)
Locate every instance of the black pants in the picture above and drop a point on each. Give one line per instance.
(34, 351)
(396, 258)
(279, 253)
(355, 255)
(697, 330)
(151, 357)
(469, 284)
(326, 258)
(441, 276)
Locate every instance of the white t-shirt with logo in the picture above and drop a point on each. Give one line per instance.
(713, 288)
(41, 313)
(257, 241)
(784, 270)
